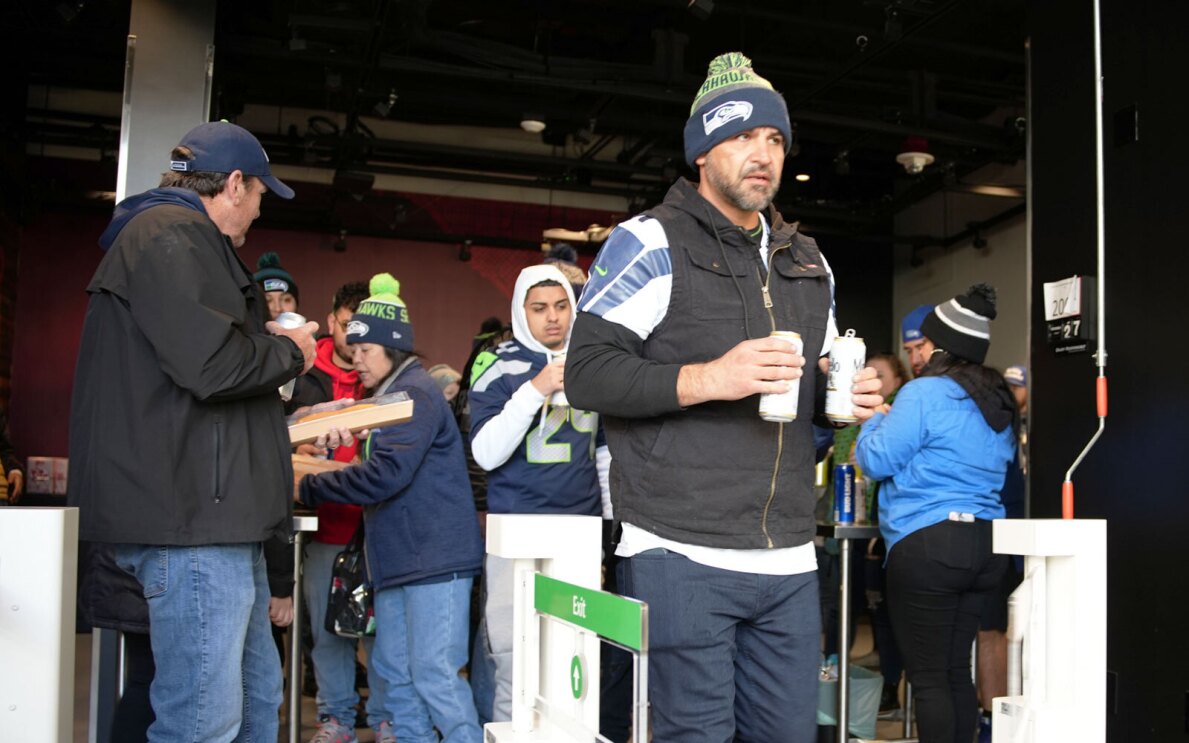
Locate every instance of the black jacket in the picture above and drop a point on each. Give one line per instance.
(110, 597)
(713, 474)
(176, 430)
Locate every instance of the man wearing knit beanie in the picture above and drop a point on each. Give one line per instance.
(279, 287)
(672, 347)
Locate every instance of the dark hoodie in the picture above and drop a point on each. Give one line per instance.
(134, 205)
(713, 474)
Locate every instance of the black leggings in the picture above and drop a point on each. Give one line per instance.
(938, 579)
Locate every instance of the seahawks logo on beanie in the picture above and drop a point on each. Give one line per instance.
(732, 99)
(272, 277)
(382, 318)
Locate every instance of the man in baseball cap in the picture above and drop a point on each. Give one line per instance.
(223, 147)
(916, 345)
(177, 434)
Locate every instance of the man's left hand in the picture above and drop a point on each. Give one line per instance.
(280, 611)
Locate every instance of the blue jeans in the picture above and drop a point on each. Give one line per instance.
(421, 645)
(334, 656)
(218, 675)
(732, 656)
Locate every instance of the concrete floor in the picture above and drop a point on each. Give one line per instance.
(82, 695)
(82, 680)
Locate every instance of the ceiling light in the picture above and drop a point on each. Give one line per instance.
(802, 177)
(533, 123)
(914, 162)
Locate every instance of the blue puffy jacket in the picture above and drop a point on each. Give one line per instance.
(419, 517)
(936, 454)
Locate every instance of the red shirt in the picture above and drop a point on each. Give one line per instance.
(337, 522)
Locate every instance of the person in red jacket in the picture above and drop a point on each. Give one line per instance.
(333, 377)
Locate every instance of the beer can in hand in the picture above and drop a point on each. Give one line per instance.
(781, 407)
(844, 494)
(289, 321)
(848, 354)
(558, 399)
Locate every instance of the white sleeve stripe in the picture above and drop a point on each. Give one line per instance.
(649, 236)
(645, 309)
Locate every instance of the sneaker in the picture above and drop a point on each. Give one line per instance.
(330, 730)
(984, 729)
(384, 733)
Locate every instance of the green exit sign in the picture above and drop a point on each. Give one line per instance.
(612, 617)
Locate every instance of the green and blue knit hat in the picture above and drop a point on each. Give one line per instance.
(733, 99)
(382, 318)
(272, 277)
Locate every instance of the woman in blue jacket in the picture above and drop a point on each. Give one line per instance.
(421, 534)
(943, 452)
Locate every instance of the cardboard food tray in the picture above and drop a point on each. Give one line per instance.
(304, 464)
(357, 417)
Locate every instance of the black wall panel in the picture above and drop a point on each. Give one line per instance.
(1135, 477)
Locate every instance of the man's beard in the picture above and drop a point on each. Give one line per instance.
(747, 198)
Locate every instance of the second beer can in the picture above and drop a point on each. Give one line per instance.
(289, 321)
(844, 494)
(848, 354)
(781, 407)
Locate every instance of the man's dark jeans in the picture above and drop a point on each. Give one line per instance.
(732, 656)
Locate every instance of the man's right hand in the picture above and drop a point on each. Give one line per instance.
(303, 337)
(551, 378)
(752, 367)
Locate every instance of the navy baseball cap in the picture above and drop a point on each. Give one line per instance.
(221, 147)
(910, 326)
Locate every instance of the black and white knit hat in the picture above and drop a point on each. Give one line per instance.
(733, 99)
(962, 326)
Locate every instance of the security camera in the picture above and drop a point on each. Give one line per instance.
(914, 162)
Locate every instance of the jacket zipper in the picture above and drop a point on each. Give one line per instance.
(367, 561)
(218, 458)
(779, 426)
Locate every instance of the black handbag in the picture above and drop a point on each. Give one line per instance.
(349, 610)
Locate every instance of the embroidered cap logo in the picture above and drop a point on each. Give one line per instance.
(725, 113)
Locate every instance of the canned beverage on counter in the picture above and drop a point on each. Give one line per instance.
(289, 321)
(781, 407)
(848, 354)
(844, 494)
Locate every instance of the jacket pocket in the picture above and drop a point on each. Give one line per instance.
(217, 453)
(714, 286)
